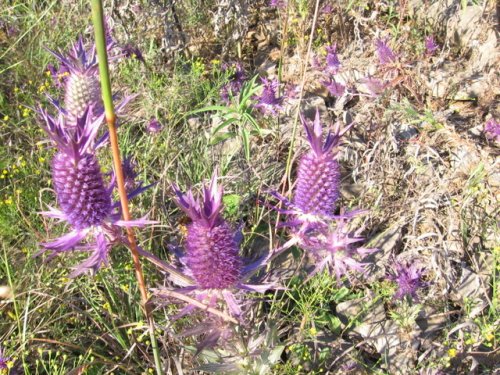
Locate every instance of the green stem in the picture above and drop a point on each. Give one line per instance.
(107, 97)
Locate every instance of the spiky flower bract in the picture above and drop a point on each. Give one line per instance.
(334, 88)
(430, 45)
(85, 200)
(408, 278)
(81, 87)
(268, 102)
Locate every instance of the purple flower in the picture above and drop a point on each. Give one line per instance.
(385, 53)
(334, 88)
(84, 197)
(326, 9)
(332, 65)
(277, 4)
(333, 247)
(58, 75)
(318, 178)
(408, 278)
(4, 362)
(430, 45)
(214, 273)
(268, 101)
(332, 60)
(236, 79)
(131, 51)
(154, 126)
(318, 175)
(374, 86)
(492, 130)
(212, 247)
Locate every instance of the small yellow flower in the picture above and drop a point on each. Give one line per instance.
(6, 118)
(16, 89)
(5, 171)
(489, 336)
(41, 159)
(47, 73)
(452, 352)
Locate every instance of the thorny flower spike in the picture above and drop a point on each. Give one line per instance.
(82, 88)
(332, 60)
(85, 200)
(409, 279)
(335, 88)
(214, 271)
(268, 101)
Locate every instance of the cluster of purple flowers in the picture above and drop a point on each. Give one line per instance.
(492, 130)
(83, 195)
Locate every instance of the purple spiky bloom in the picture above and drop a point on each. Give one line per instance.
(154, 126)
(408, 278)
(335, 248)
(4, 362)
(214, 273)
(81, 87)
(374, 86)
(85, 200)
(268, 102)
(212, 248)
(334, 88)
(318, 175)
(384, 52)
(332, 60)
(492, 130)
(277, 4)
(235, 82)
(430, 45)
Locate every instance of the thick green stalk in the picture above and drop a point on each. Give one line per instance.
(100, 39)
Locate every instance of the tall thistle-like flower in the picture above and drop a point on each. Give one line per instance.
(318, 175)
(236, 79)
(82, 88)
(212, 247)
(214, 272)
(85, 200)
(268, 102)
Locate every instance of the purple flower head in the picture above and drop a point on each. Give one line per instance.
(492, 130)
(430, 45)
(408, 278)
(236, 79)
(4, 362)
(385, 53)
(214, 273)
(374, 86)
(334, 88)
(84, 197)
(318, 175)
(280, 4)
(154, 126)
(268, 101)
(326, 9)
(132, 52)
(212, 247)
(332, 60)
(318, 179)
(334, 247)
